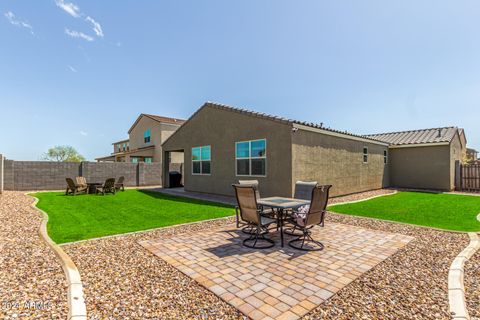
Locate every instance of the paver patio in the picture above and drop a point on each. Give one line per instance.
(276, 283)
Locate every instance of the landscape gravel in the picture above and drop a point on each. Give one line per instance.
(32, 282)
(472, 285)
(122, 280)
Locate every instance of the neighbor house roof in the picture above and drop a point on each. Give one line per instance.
(318, 126)
(422, 136)
(161, 119)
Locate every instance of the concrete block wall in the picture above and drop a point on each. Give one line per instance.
(46, 175)
(101, 171)
(151, 174)
(1, 172)
(8, 183)
(43, 175)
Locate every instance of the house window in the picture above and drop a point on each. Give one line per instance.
(251, 157)
(119, 148)
(365, 155)
(385, 156)
(134, 159)
(124, 147)
(148, 160)
(201, 160)
(146, 136)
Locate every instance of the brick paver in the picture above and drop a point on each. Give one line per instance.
(279, 283)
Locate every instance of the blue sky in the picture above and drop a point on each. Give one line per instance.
(80, 72)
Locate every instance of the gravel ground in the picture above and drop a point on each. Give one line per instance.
(32, 283)
(472, 285)
(124, 281)
(412, 284)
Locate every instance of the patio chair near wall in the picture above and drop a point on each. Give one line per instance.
(73, 188)
(119, 185)
(81, 181)
(303, 190)
(252, 215)
(308, 218)
(107, 187)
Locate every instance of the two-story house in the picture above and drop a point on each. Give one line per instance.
(146, 136)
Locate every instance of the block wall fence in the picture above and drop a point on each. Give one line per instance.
(47, 175)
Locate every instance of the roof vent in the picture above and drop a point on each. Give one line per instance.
(439, 133)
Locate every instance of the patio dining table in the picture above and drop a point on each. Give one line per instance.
(282, 204)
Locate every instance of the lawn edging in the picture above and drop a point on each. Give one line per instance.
(456, 289)
(77, 309)
(144, 231)
(369, 198)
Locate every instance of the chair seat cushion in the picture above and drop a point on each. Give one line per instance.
(300, 215)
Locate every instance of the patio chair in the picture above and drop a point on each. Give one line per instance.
(303, 190)
(119, 184)
(248, 229)
(314, 215)
(73, 188)
(107, 187)
(252, 215)
(81, 181)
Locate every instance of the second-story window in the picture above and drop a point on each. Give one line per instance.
(146, 136)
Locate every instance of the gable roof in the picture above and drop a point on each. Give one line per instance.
(422, 136)
(270, 117)
(161, 119)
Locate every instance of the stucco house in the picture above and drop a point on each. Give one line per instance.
(146, 136)
(222, 144)
(424, 159)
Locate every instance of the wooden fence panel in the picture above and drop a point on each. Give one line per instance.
(470, 177)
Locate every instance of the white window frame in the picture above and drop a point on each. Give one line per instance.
(250, 158)
(385, 156)
(364, 154)
(200, 161)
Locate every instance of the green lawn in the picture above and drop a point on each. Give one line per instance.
(443, 211)
(89, 216)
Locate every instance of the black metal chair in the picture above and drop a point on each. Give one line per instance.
(314, 216)
(250, 213)
(107, 187)
(303, 190)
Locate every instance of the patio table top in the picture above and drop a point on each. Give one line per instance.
(282, 203)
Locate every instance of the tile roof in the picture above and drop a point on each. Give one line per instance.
(282, 119)
(164, 119)
(158, 119)
(433, 135)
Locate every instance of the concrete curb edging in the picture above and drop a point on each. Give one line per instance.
(456, 289)
(77, 309)
(370, 198)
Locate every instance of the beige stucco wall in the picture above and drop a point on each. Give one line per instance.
(166, 131)
(421, 167)
(458, 151)
(339, 162)
(221, 129)
(137, 138)
(159, 132)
